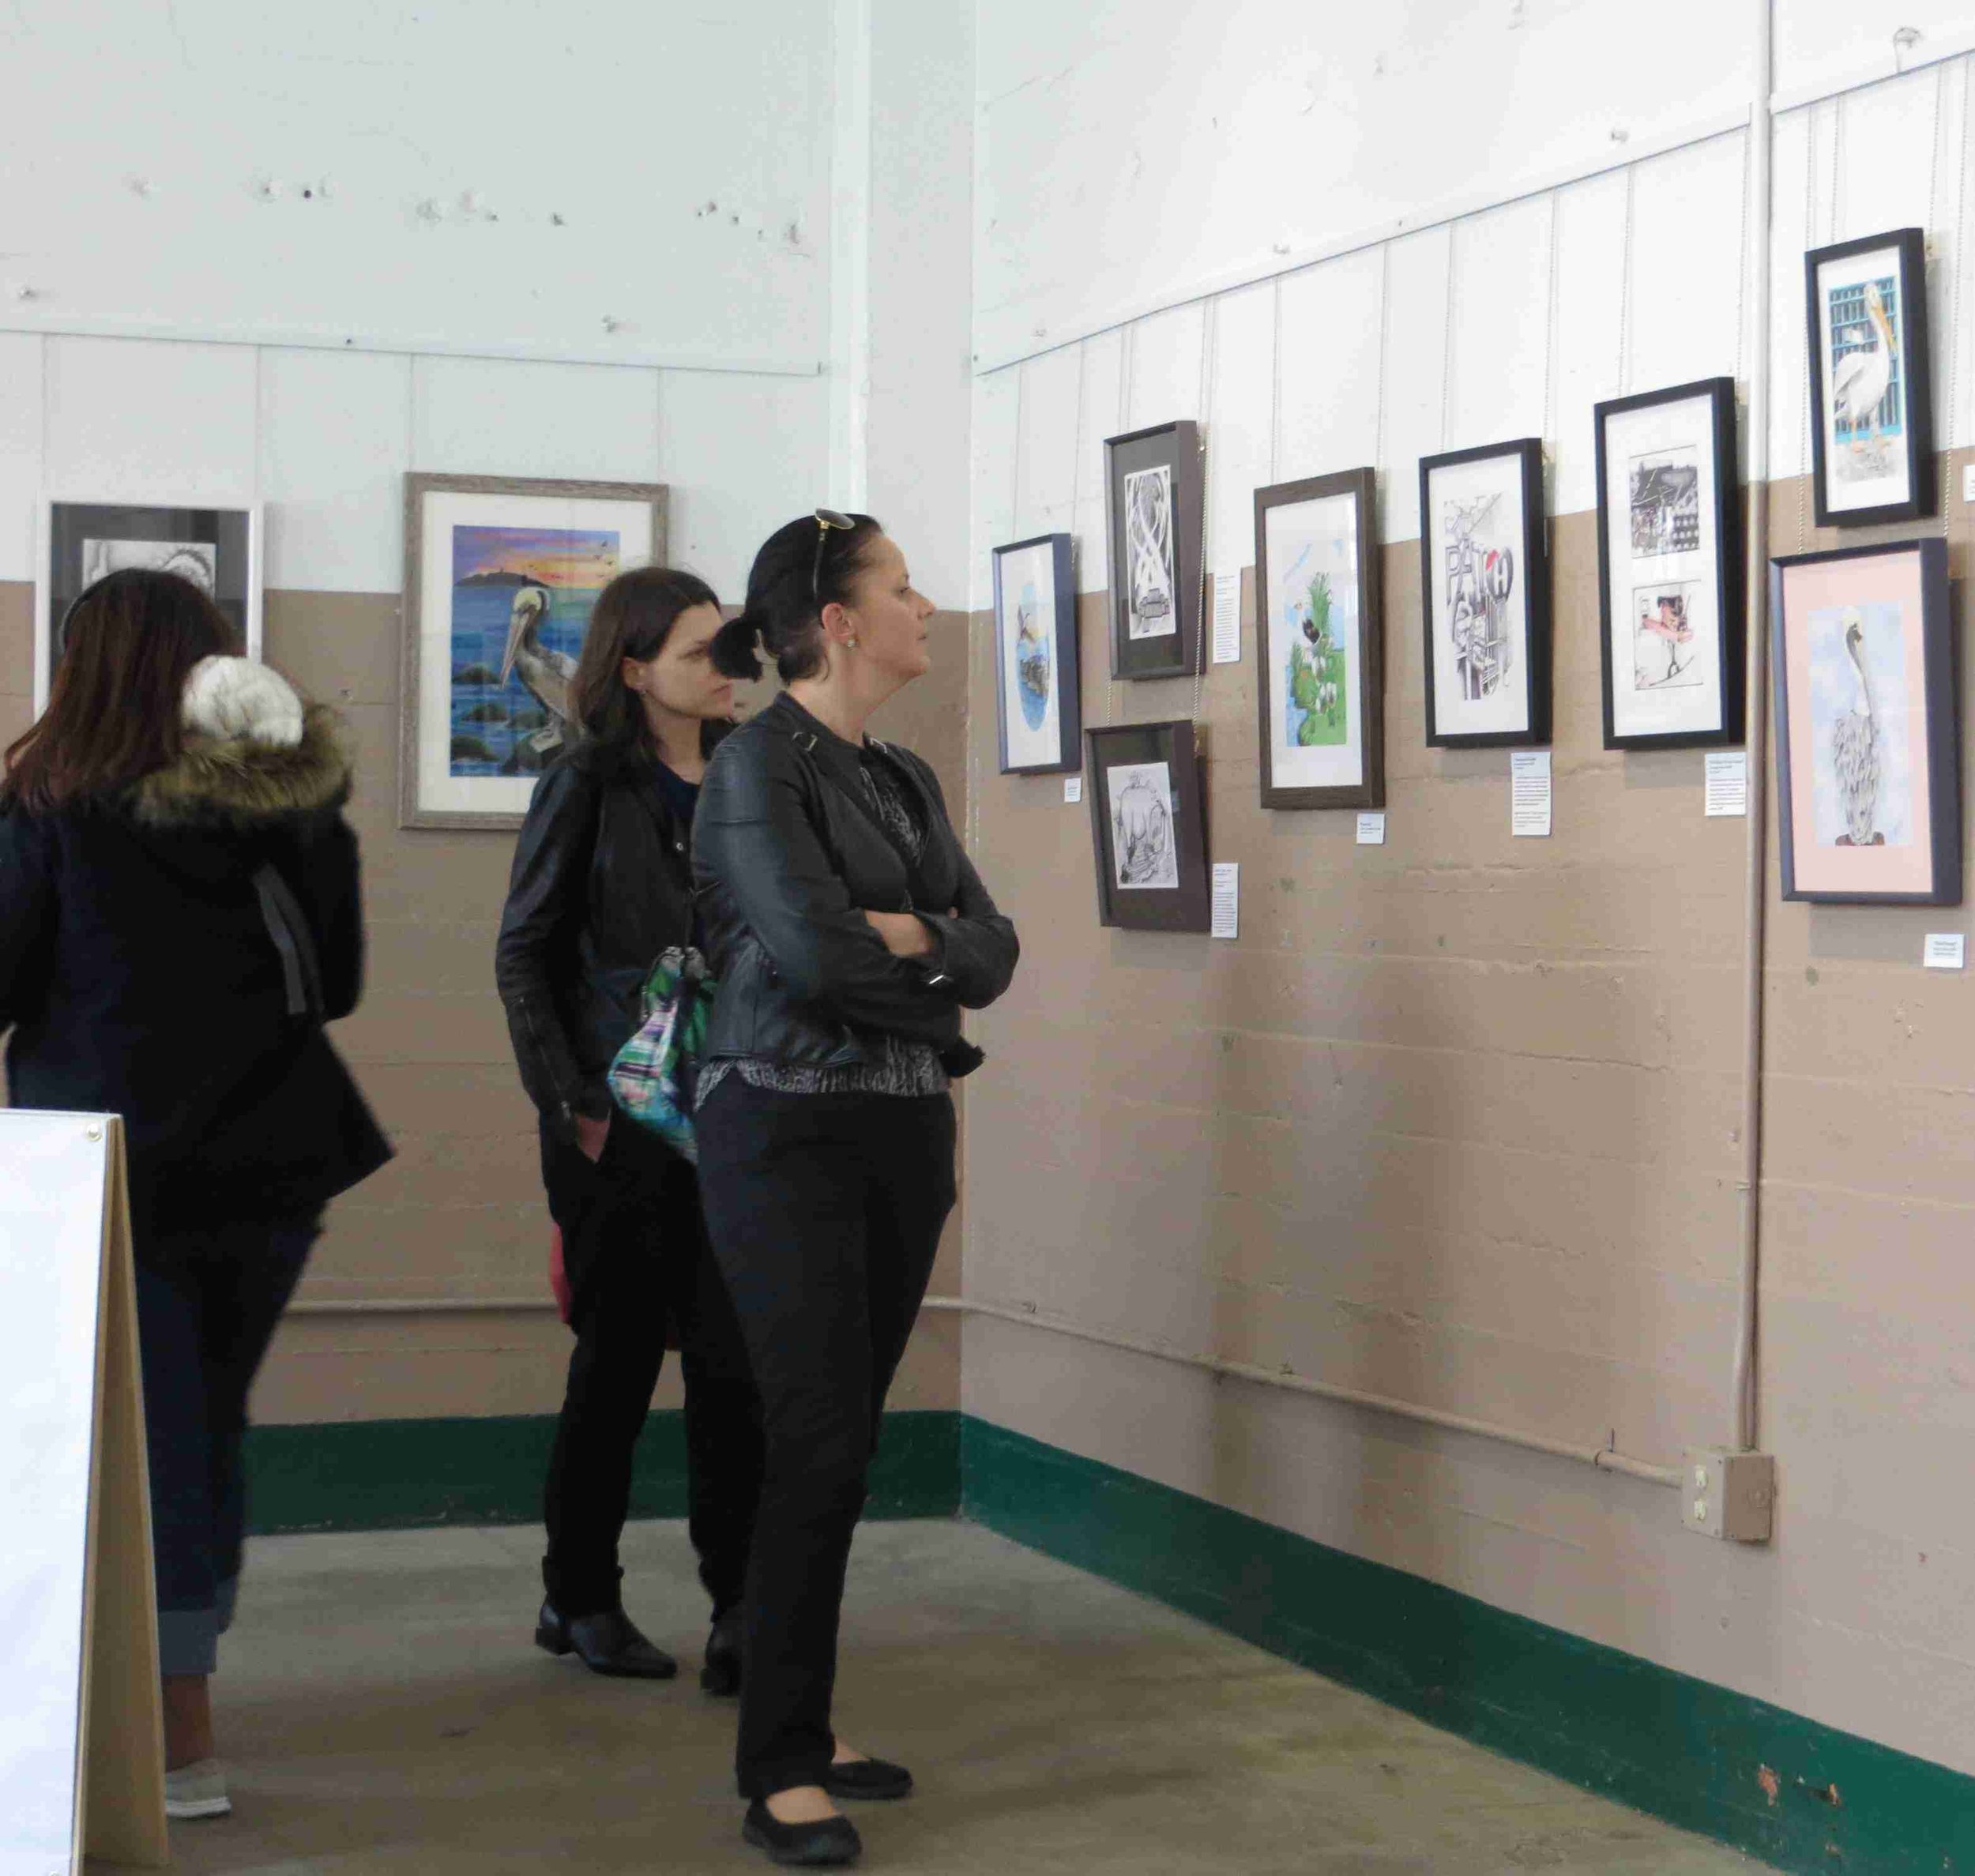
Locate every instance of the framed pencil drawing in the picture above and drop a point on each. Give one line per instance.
(1320, 689)
(1670, 599)
(1871, 379)
(1147, 827)
(1484, 581)
(1867, 729)
(217, 548)
(1036, 684)
(500, 576)
(1156, 497)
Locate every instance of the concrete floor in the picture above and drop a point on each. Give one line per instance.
(382, 1711)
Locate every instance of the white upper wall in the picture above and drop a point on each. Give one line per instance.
(488, 176)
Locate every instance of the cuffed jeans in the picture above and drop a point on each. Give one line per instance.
(825, 1212)
(208, 1303)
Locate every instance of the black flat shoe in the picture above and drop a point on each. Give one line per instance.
(871, 1779)
(833, 1841)
(722, 1673)
(608, 1643)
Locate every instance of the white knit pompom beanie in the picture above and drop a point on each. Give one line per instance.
(233, 700)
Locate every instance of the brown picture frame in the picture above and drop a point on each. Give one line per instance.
(1168, 887)
(1166, 459)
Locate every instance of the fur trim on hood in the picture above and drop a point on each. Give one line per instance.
(231, 783)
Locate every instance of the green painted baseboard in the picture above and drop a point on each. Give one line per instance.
(1681, 1749)
(396, 1474)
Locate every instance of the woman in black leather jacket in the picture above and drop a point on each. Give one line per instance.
(602, 885)
(848, 929)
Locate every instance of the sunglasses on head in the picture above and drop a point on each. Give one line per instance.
(826, 519)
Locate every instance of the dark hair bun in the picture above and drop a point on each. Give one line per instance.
(736, 648)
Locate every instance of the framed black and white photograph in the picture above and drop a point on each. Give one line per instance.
(1868, 745)
(1156, 494)
(1036, 678)
(1871, 379)
(217, 548)
(1670, 599)
(1485, 581)
(1320, 688)
(1147, 827)
(500, 577)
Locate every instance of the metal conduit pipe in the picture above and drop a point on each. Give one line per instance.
(1602, 1457)
(1748, 1420)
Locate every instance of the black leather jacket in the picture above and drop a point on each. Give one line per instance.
(787, 860)
(602, 883)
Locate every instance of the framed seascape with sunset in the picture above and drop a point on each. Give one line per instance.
(501, 576)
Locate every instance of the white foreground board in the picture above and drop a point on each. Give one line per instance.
(81, 1735)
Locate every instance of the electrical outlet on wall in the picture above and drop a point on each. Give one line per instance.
(1730, 1495)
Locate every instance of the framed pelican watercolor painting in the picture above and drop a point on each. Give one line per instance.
(1867, 735)
(1871, 379)
(1035, 688)
(1155, 487)
(500, 577)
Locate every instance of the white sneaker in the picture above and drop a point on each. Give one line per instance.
(198, 1791)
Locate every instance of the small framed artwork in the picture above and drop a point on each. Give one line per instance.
(1669, 568)
(500, 576)
(1320, 689)
(1485, 578)
(1867, 733)
(1156, 496)
(1035, 688)
(217, 548)
(1146, 820)
(1871, 379)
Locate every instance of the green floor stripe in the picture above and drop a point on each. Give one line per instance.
(395, 1475)
(1681, 1749)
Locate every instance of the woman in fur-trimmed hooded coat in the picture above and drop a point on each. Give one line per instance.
(179, 915)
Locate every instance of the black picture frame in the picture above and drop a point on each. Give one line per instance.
(1365, 690)
(1447, 564)
(1811, 868)
(1185, 904)
(1909, 373)
(1174, 448)
(1058, 635)
(1713, 561)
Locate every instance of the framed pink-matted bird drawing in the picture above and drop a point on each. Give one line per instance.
(1868, 756)
(1871, 379)
(500, 575)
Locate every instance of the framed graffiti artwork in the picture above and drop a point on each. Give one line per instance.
(1147, 827)
(1670, 599)
(1484, 577)
(1155, 489)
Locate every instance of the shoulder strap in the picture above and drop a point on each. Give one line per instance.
(288, 927)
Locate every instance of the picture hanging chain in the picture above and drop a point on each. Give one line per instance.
(1275, 398)
(1742, 259)
(1625, 285)
(1549, 320)
(1447, 337)
(1934, 154)
(1813, 360)
(1957, 281)
(1209, 329)
(1127, 362)
(1385, 306)
(1837, 159)
(1077, 457)
(1016, 531)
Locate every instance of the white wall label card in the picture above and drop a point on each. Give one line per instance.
(1529, 791)
(1968, 482)
(1727, 782)
(1946, 951)
(1073, 788)
(1227, 619)
(1227, 898)
(1372, 828)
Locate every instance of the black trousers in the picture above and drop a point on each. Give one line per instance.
(634, 1246)
(826, 1212)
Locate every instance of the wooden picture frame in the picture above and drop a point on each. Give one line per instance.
(1319, 643)
(1155, 494)
(1148, 827)
(1670, 586)
(1484, 594)
(488, 651)
(1869, 811)
(1873, 456)
(1037, 699)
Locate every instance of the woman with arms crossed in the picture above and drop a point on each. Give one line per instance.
(848, 929)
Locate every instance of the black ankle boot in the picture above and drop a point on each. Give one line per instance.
(722, 1673)
(607, 1642)
(833, 1841)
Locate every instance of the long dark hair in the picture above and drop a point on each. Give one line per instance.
(633, 618)
(129, 645)
(784, 613)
